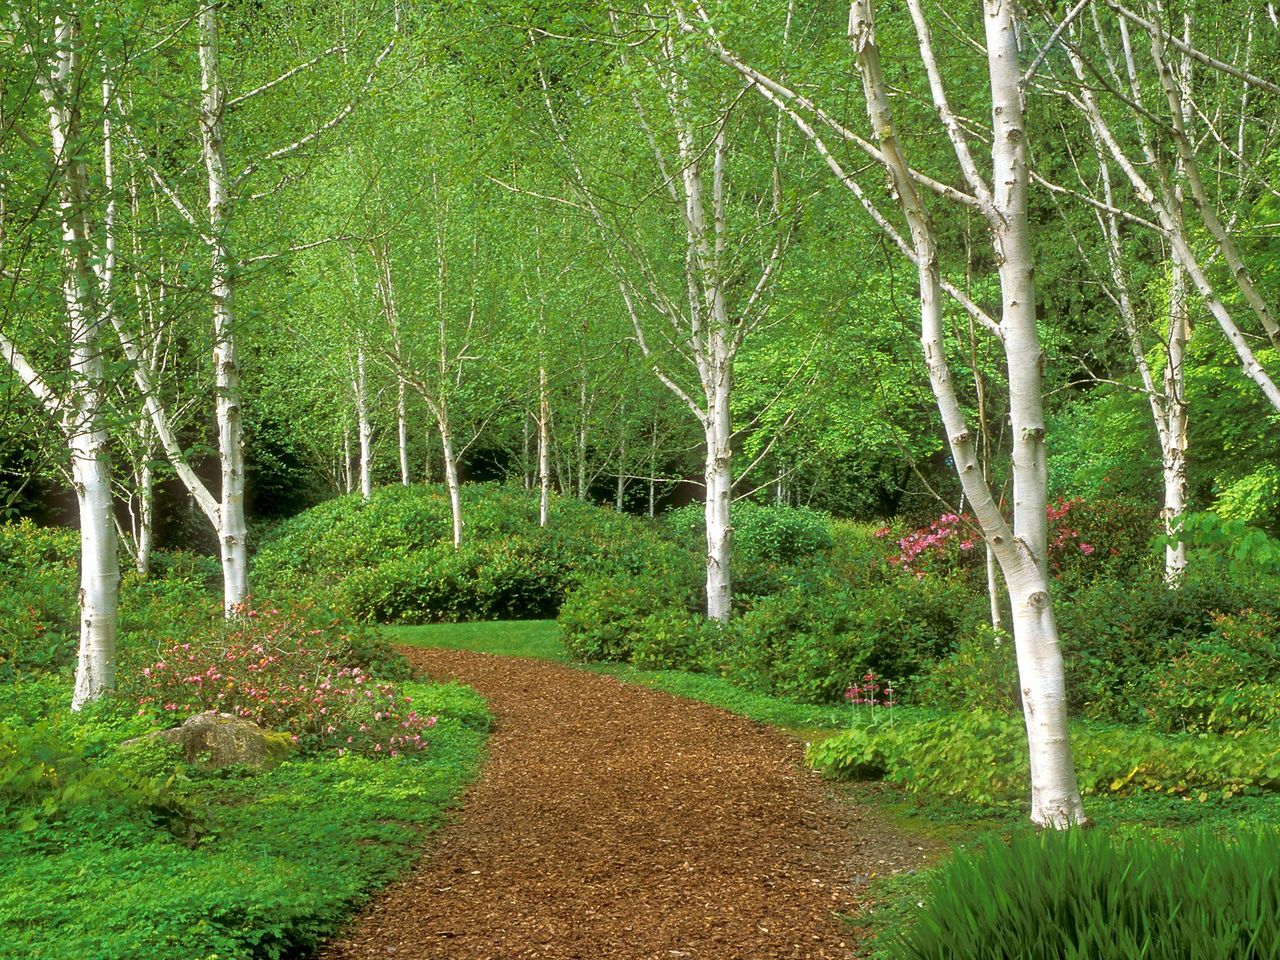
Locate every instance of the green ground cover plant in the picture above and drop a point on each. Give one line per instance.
(171, 864)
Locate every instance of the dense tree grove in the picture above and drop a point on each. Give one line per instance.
(887, 261)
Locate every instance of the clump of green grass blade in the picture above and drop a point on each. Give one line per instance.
(1094, 895)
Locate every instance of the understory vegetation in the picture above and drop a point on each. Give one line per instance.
(113, 846)
(903, 374)
(875, 642)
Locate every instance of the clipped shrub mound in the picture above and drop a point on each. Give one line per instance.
(1091, 894)
(392, 559)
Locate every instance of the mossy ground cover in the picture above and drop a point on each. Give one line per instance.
(281, 859)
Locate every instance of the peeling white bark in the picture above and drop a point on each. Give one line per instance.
(233, 536)
(1020, 550)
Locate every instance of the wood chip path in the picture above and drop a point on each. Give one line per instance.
(615, 822)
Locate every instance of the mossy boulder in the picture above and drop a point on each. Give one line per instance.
(216, 741)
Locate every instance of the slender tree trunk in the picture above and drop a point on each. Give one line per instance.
(451, 474)
(580, 446)
(348, 473)
(81, 415)
(653, 471)
(145, 535)
(622, 457)
(233, 533)
(1021, 551)
(1175, 432)
(544, 448)
(364, 427)
(719, 496)
(402, 431)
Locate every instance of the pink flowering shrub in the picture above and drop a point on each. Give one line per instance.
(1082, 536)
(283, 672)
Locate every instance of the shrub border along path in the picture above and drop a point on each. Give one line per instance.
(615, 822)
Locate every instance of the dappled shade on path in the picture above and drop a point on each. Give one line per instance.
(614, 821)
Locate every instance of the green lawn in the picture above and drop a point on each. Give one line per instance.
(540, 640)
(537, 639)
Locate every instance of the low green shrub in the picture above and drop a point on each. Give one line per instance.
(675, 640)
(38, 614)
(811, 641)
(604, 617)
(770, 533)
(392, 560)
(979, 756)
(1114, 634)
(980, 671)
(49, 782)
(1096, 895)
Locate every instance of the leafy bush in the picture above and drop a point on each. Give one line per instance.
(979, 756)
(603, 618)
(1092, 894)
(282, 670)
(674, 640)
(1115, 634)
(1222, 684)
(38, 614)
(803, 644)
(980, 671)
(811, 642)
(392, 559)
(774, 534)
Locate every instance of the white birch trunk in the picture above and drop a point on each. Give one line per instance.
(1022, 550)
(451, 474)
(402, 431)
(719, 497)
(81, 414)
(364, 428)
(233, 540)
(544, 449)
(1174, 435)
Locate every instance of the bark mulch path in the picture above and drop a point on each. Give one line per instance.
(615, 821)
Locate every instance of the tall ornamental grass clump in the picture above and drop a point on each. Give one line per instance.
(1090, 895)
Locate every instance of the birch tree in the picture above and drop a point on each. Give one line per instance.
(1019, 543)
(690, 323)
(76, 401)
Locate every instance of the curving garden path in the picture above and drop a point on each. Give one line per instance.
(615, 821)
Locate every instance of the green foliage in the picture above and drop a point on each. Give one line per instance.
(392, 560)
(1096, 895)
(604, 617)
(769, 533)
(986, 758)
(674, 640)
(1240, 550)
(1228, 682)
(811, 641)
(289, 853)
(1115, 634)
(980, 671)
(48, 782)
(38, 616)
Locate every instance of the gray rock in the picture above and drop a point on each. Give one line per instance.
(214, 741)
